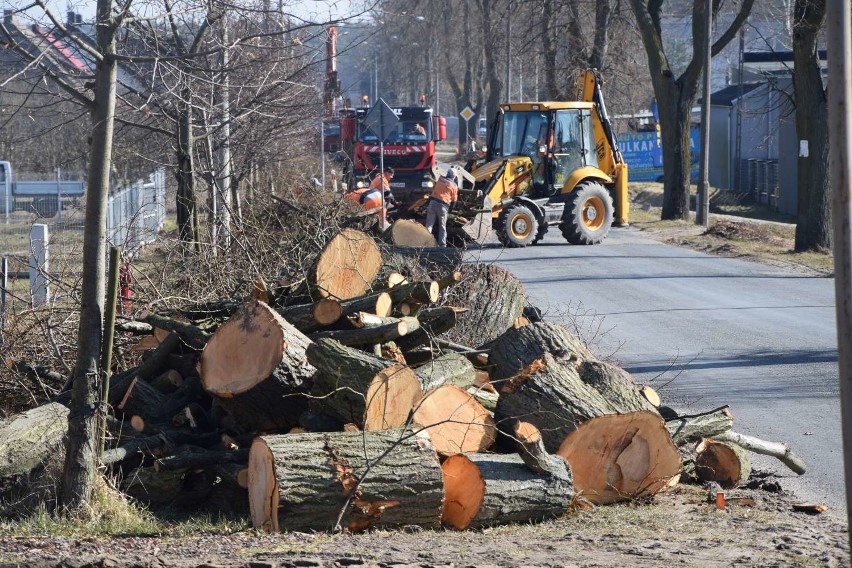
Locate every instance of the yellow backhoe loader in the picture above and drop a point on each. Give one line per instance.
(548, 163)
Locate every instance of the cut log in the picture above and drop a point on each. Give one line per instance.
(395, 278)
(366, 335)
(304, 482)
(650, 395)
(380, 304)
(616, 385)
(354, 386)
(417, 292)
(256, 366)
(492, 489)
(167, 438)
(518, 347)
(695, 427)
(456, 422)
(723, 462)
(494, 297)
(433, 322)
(191, 334)
(618, 457)
(197, 458)
(533, 453)
(775, 449)
(450, 279)
(550, 395)
(32, 438)
(407, 233)
(450, 368)
(346, 267)
(309, 317)
(167, 382)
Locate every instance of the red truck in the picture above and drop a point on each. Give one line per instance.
(409, 150)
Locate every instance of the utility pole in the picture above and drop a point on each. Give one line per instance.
(840, 172)
(702, 203)
(509, 53)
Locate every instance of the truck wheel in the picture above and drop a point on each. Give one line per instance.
(518, 227)
(588, 214)
(542, 230)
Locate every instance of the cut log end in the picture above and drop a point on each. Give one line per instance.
(455, 420)
(327, 311)
(526, 433)
(390, 397)
(723, 462)
(464, 491)
(384, 305)
(650, 395)
(262, 487)
(244, 350)
(407, 233)
(347, 265)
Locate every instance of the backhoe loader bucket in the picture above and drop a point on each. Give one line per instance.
(479, 226)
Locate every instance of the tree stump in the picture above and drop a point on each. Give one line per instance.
(456, 422)
(494, 489)
(346, 267)
(494, 298)
(618, 457)
(255, 365)
(550, 395)
(519, 347)
(355, 386)
(301, 482)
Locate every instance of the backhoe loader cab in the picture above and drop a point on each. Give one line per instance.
(553, 163)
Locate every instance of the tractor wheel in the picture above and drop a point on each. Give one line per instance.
(588, 214)
(518, 227)
(542, 230)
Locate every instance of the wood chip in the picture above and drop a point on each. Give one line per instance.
(811, 508)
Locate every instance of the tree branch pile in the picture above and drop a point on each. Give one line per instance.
(365, 397)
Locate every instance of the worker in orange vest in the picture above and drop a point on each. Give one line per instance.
(442, 200)
(370, 198)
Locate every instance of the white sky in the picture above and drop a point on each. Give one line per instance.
(311, 10)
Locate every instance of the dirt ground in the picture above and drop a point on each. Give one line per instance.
(757, 527)
(682, 527)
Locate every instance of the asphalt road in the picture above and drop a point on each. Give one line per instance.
(706, 331)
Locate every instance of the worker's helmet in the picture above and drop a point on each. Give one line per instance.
(389, 170)
(451, 174)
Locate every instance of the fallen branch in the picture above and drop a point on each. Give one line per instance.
(775, 449)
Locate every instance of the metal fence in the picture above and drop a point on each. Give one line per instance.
(135, 214)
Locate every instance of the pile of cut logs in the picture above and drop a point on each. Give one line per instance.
(387, 389)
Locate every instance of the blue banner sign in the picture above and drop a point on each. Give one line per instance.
(644, 154)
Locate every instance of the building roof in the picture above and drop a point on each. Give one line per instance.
(727, 96)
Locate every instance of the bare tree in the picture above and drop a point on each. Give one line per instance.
(676, 94)
(813, 215)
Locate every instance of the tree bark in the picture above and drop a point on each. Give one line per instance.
(616, 385)
(355, 386)
(450, 368)
(257, 367)
(32, 438)
(304, 482)
(685, 429)
(519, 347)
(813, 207)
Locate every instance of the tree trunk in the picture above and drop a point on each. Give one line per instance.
(494, 298)
(456, 422)
(187, 209)
(354, 386)
(80, 460)
(616, 385)
(550, 395)
(256, 366)
(813, 210)
(619, 457)
(723, 462)
(519, 347)
(494, 489)
(303, 482)
(32, 438)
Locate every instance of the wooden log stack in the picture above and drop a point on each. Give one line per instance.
(371, 396)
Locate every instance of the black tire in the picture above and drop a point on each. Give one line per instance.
(542, 230)
(517, 227)
(588, 214)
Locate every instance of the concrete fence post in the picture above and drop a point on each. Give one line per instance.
(38, 264)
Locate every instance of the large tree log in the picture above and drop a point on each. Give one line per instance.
(309, 317)
(618, 457)
(695, 427)
(518, 347)
(456, 422)
(32, 438)
(358, 387)
(616, 385)
(256, 366)
(493, 489)
(407, 233)
(365, 335)
(163, 439)
(306, 482)
(450, 368)
(346, 267)
(494, 297)
(550, 395)
(723, 462)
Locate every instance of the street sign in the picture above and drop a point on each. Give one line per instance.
(381, 120)
(467, 113)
